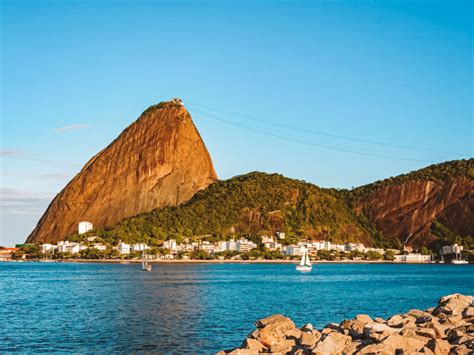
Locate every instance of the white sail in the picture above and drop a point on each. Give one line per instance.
(303, 258)
(307, 262)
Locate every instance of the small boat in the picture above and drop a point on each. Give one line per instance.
(458, 261)
(145, 265)
(305, 263)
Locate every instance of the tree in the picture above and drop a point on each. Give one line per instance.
(373, 255)
(425, 251)
(325, 255)
(389, 256)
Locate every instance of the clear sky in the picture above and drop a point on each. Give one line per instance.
(74, 74)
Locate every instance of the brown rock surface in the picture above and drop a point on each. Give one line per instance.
(427, 337)
(406, 211)
(159, 160)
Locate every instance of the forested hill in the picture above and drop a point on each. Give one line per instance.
(438, 173)
(386, 213)
(248, 205)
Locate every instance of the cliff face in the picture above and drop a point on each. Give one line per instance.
(406, 211)
(160, 160)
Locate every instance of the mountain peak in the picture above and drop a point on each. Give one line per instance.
(159, 160)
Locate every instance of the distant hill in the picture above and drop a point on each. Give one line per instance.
(406, 207)
(431, 205)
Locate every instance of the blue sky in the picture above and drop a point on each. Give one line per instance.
(76, 73)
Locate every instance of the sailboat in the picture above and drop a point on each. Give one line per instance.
(145, 265)
(458, 261)
(305, 263)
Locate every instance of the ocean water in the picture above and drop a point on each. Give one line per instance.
(198, 308)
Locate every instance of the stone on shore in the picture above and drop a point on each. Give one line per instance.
(445, 329)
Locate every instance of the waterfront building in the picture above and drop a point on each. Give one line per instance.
(413, 258)
(207, 247)
(244, 245)
(231, 245)
(70, 247)
(221, 246)
(123, 248)
(294, 250)
(84, 227)
(452, 249)
(378, 250)
(322, 245)
(99, 246)
(139, 247)
(170, 245)
(47, 247)
(6, 254)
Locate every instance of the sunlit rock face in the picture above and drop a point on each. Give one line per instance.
(406, 211)
(159, 160)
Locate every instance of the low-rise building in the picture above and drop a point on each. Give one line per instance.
(99, 246)
(123, 248)
(244, 245)
(6, 254)
(48, 247)
(70, 247)
(231, 245)
(139, 247)
(221, 246)
(207, 247)
(170, 244)
(452, 249)
(84, 227)
(294, 250)
(413, 258)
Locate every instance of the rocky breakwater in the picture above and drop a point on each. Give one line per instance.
(445, 329)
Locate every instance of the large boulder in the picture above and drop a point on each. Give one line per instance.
(332, 343)
(377, 331)
(274, 330)
(453, 304)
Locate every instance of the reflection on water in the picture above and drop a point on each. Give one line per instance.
(179, 308)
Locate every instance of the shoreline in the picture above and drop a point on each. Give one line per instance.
(444, 329)
(114, 261)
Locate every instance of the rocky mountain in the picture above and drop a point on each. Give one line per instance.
(159, 160)
(434, 204)
(404, 208)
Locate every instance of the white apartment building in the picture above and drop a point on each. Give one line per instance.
(123, 248)
(221, 246)
(294, 250)
(47, 247)
(354, 246)
(99, 246)
(207, 247)
(170, 244)
(69, 247)
(413, 258)
(231, 245)
(84, 227)
(138, 247)
(244, 245)
(452, 249)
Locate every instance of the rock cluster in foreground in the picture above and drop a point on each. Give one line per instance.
(446, 329)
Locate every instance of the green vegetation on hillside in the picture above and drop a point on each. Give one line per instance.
(248, 205)
(255, 204)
